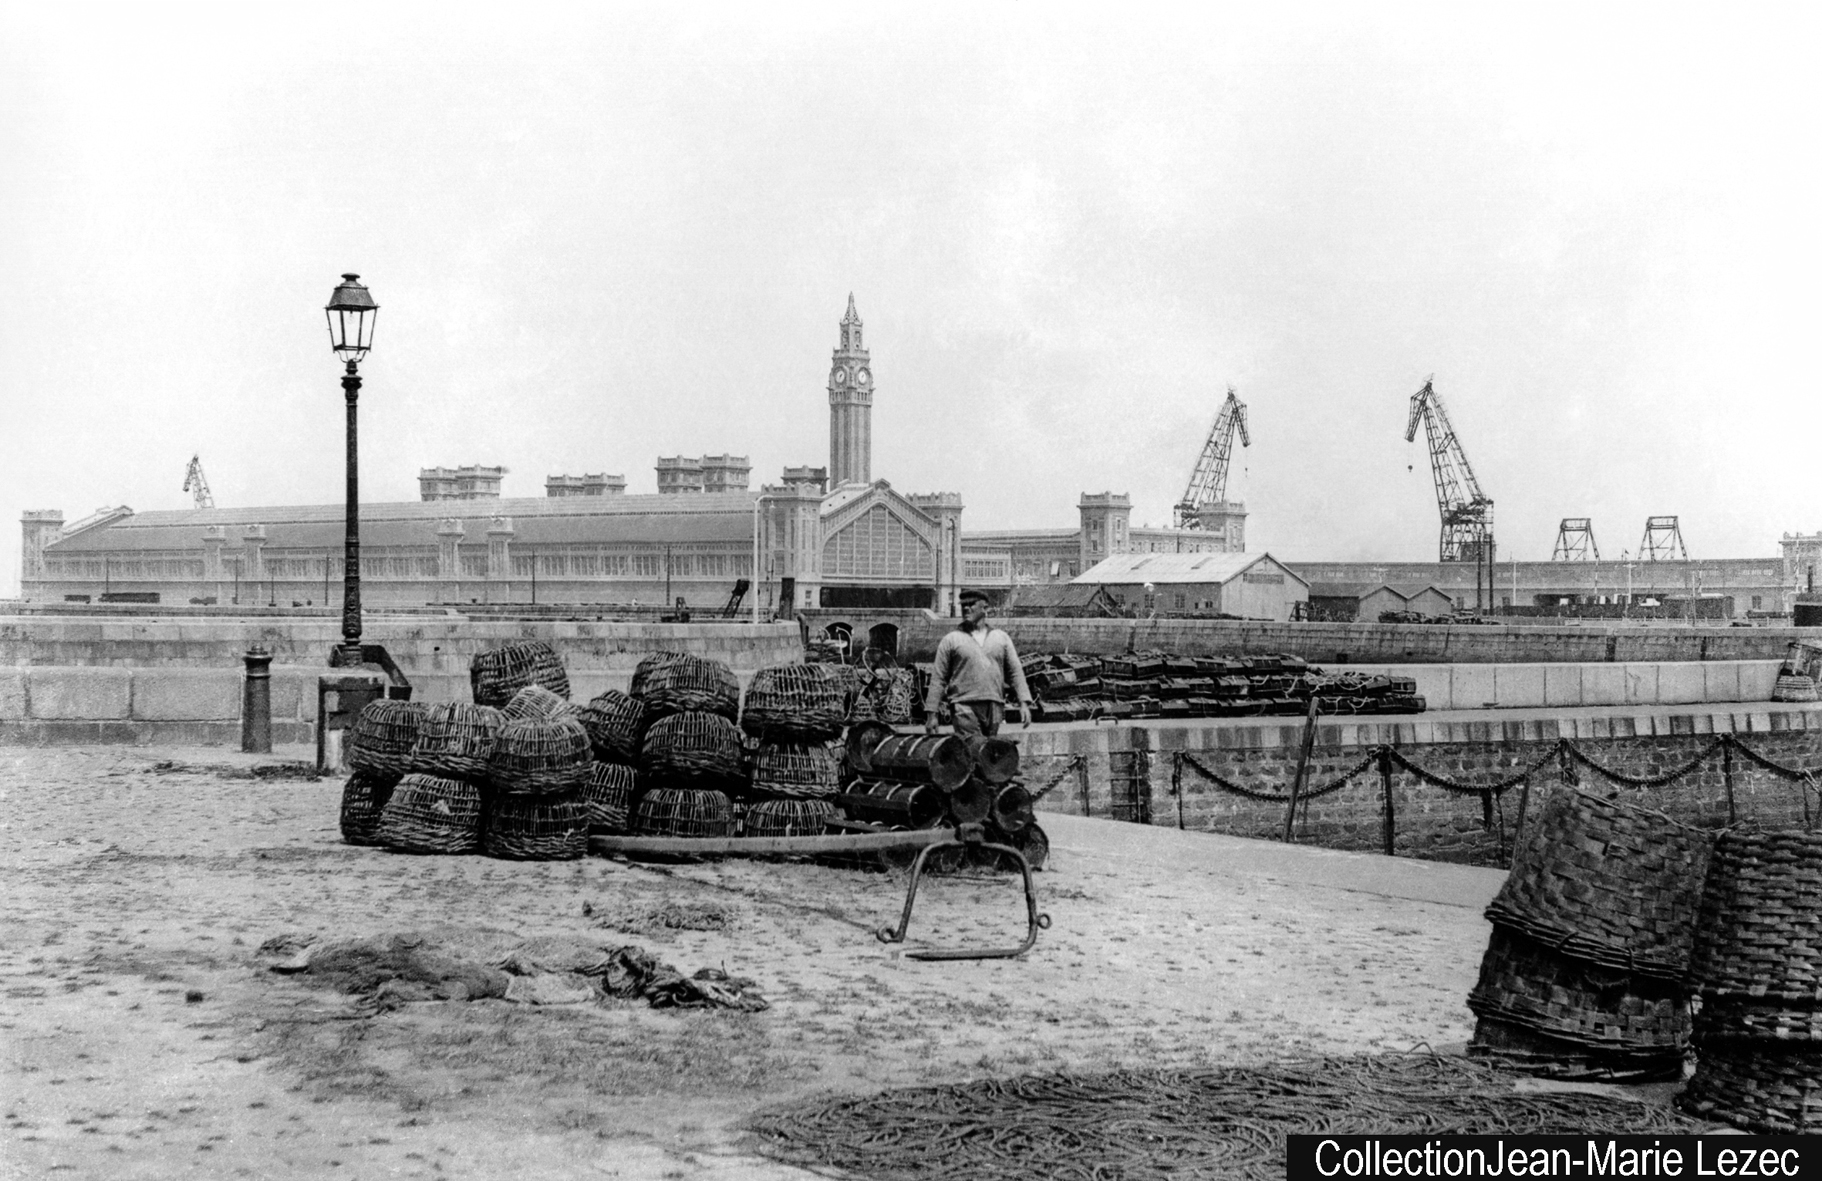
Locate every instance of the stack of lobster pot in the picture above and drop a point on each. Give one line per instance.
(1758, 1031)
(918, 780)
(615, 723)
(436, 807)
(690, 764)
(1584, 976)
(793, 721)
(536, 776)
(379, 751)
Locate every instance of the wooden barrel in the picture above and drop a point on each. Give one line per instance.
(940, 759)
(995, 759)
(1758, 1034)
(888, 802)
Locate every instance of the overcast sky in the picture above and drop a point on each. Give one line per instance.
(602, 235)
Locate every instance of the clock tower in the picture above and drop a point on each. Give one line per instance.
(850, 407)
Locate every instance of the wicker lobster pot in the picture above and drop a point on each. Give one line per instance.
(691, 684)
(535, 828)
(683, 812)
(535, 701)
(795, 769)
(363, 797)
(863, 738)
(995, 759)
(432, 814)
(885, 695)
(1568, 1017)
(794, 703)
(693, 749)
(616, 725)
(381, 738)
(647, 665)
(1012, 808)
(497, 674)
(1034, 843)
(534, 757)
(940, 759)
(609, 795)
(896, 805)
(1757, 964)
(1607, 883)
(456, 740)
(789, 818)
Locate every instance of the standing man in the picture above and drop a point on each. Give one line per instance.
(974, 664)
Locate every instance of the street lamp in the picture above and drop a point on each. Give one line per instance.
(351, 313)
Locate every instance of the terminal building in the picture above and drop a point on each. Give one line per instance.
(821, 536)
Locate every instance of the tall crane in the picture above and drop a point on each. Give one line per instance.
(1208, 485)
(1467, 512)
(193, 482)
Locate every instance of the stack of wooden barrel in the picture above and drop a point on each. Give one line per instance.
(917, 780)
(1584, 975)
(1757, 966)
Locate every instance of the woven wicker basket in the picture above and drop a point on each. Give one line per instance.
(535, 828)
(363, 797)
(1607, 882)
(616, 725)
(795, 769)
(1525, 1049)
(1524, 982)
(683, 812)
(794, 703)
(884, 695)
(381, 738)
(535, 701)
(647, 665)
(431, 814)
(1758, 935)
(456, 740)
(789, 818)
(609, 795)
(1771, 1089)
(691, 684)
(497, 674)
(533, 757)
(693, 749)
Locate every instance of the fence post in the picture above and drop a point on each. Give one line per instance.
(1385, 784)
(1727, 774)
(1303, 766)
(1176, 784)
(1081, 774)
(256, 702)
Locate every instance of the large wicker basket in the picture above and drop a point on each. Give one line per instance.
(616, 725)
(609, 795)
(684, 812)
(648, 664)
(1758, 935)
(789, 818)
(1525, 982)
(691, 684)
(693, 749)
(1607, 882)
(456, 740)
(795, 769)
(431, 814)
(363, 797)
(381, 738)
(535, 701)
(794, 703)
(1772, 1089)
(535, 828)
(534, 757)
(495, 675)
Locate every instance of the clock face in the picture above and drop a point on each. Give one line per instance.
(839, 377)
(862, 377)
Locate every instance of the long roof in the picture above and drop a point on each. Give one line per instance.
(651, 518)
(1130, 569)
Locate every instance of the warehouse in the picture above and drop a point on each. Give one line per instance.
(1243, 586)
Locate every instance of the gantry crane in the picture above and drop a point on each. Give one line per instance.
(1208, 485)
(1467, 512)
(193, 482)
(1575, 541)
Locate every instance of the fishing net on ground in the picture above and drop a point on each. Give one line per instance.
(1229, 1122)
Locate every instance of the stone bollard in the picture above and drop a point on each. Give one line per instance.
(256, 702)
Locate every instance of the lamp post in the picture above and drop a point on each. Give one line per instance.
(351, 313)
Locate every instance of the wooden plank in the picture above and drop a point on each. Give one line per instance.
(859, 842)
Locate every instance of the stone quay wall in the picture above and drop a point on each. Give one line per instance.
(1148, 774)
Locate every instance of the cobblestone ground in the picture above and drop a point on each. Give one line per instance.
(143, 1037)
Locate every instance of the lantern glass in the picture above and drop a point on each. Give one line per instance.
(351, 313)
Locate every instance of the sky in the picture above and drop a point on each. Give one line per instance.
(602, 234)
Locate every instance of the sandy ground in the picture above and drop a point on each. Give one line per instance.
(144, 1037)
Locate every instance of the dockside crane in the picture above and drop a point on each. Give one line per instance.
(193, 482)
(1467, 512)
(1208, 484)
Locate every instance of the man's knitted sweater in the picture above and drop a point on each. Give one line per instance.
(975, 666)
